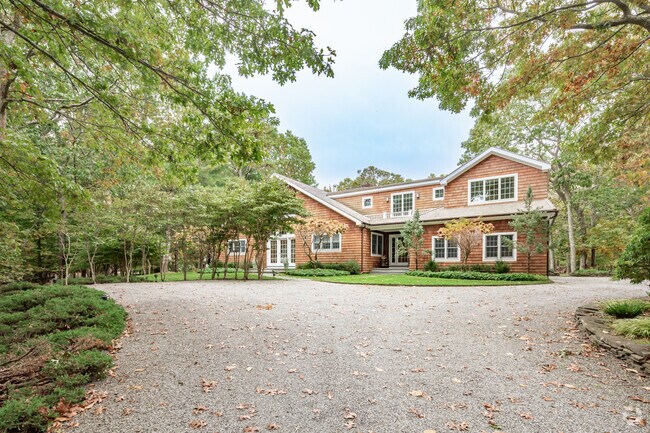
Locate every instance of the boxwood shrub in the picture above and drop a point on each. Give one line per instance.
(316, 272)
(351, 266)
(460, 275)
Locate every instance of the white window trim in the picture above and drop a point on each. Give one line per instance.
(330, 250)
(504, 259)
(402, 193)
(434, 194)
(236, 252)
(445, 259)
(382, 241)
(469, 189)
(363, 202)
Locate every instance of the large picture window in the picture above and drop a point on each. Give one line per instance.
(445, 250)
(499, 246)
(327, 243)
(402, 204)
(492, 189)
(376, 244)
(237, 246)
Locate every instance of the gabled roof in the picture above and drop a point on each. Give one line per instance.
(321, 197)
(389, 187)
(498, 152)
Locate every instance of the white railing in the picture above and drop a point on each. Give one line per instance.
(389, 215)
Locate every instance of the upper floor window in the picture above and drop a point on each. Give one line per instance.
(327, 243)
(237, 246)
(492, 189)
(377, 244)
(499, 246)
(402, 204)
(366, 202)
(445, 250)
(438, 193)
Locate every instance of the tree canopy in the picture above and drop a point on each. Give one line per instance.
(369, 176)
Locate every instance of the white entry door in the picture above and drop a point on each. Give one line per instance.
(281, 250)
(394, 258)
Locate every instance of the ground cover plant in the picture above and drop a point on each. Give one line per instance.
(410, 280)
(351, 266)
(53, 341)
(460, 275)
(635, 328)
(626, 309)
(316, 272)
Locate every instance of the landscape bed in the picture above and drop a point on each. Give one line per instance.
(410, 280)
(53, 341)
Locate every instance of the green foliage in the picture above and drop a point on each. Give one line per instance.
(60, 331)
(501, 267)
(412, 240)
(351, 266)
(591, 273)
(634, 263)
(460, 275)
(636, 328)
(431, 266)
(472, 268)
(626, 309)
(531, 225)
(316, 272)
(369, 176)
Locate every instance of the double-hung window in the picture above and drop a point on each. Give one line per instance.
(402, 204)
(327, 243)
(438, 193)
(445, 250)
(376, 244)
(493, 189)
(499, 246)
(237, 246)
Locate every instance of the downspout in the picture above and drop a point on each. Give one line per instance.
(362, 233)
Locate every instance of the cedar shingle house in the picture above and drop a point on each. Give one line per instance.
(491, 186)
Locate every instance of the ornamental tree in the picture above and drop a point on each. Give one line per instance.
(412, 238)
(312, 231)
(468, 234)
(532, 224)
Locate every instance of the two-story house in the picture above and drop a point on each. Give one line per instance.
(491, 186)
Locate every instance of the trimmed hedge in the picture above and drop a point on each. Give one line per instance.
(458, 275)
(591, 273)
(316, 272)
(350, 266)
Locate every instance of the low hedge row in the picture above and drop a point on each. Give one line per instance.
(316, 272)
(591, 273)
(351, 266)
(459, 275)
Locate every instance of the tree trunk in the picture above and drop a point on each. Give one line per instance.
(571, 265)
(583, 259)
(593, 257)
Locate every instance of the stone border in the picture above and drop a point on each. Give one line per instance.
(592, 319)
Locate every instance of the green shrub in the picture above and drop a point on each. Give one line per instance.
(431, 266)
(17, 287)
(317, 272)
(478, 276)
(626, 309)
(591, 273)
(637, 328)
(634, 263)
(350, 266)
(501, 267)
(480, 268)
(70, 325)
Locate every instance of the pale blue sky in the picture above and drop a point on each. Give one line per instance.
(363, 115)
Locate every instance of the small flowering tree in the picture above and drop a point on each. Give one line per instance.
(467, 234)
(312, 232)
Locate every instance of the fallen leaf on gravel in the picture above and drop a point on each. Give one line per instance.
(218, 413)
(574, 368)
(456, 380)
(119, 398)
(429, 431)
(309, 391)
(637, 421)
(207, 385)
(251, 429)
(350, 425)
(639, 398)
(417, 370)
(272, 426)
(99, 410)
(416, 412)
(457, 426)
(263, 391)
(243, 406)
(199, 409)
(417, 393)
(230, 367)
(127, 411)
(246, 417)
(549, 367)
(526, 416)
(265, 307)
(546, 398)
(198, 423)
(348, 414)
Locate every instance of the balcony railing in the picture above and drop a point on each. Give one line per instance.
(390, 215)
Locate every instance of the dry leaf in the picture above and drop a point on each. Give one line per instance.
(199, 409)
(417, 393)
(272, 426)
(416, 412)
(198, 423)
(207, 385)
(526, 416)
(251, 429)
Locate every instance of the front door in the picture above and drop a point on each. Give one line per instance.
(394, 258)
(281, 250)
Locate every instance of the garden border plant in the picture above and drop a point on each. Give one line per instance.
(469, 275)
(53, 341)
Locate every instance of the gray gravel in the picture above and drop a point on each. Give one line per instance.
(342, 358)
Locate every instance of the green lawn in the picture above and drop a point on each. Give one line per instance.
(407, 280)
(191, 276)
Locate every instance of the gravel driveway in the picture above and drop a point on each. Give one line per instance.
(210, 356)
